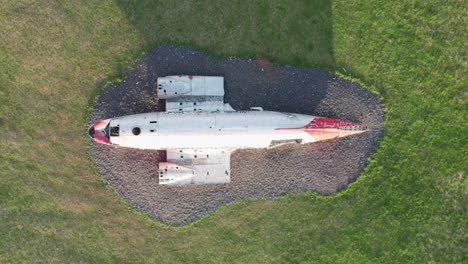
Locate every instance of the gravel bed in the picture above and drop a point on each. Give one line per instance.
(324, 167)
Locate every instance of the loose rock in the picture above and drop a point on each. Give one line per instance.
(325, 167)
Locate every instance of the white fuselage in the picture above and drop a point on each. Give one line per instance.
(201, 129)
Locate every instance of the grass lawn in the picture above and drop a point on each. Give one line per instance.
(409, 205)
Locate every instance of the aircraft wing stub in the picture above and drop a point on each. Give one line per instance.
(186, 93)
(191, 166)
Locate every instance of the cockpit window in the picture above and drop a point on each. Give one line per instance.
(114, 131)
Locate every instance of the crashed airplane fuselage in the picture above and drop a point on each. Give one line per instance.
(199, 131)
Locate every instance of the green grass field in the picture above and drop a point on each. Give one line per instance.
(409, 205)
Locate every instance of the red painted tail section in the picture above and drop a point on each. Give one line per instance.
(324, 122)
(323, 128)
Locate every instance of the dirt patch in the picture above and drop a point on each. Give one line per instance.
(324, 167)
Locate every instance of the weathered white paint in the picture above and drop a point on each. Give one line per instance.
(199, 131)
(190, 106)
(207, 130)
(196, 167)
(178, 85)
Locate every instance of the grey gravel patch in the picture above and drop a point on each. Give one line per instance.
(324, 167)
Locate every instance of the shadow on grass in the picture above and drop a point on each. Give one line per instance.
(284, 33)
(270, 32)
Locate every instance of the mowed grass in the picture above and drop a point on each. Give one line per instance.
(409, 205)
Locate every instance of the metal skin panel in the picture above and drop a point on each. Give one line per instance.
(192, 106)
(207, 130)
(178, 85)
(196, 167)
(199, 131)
(192, 93)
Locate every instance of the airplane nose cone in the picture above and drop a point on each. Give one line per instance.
(99, 131)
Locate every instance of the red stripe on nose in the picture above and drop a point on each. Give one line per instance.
(100, 134)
